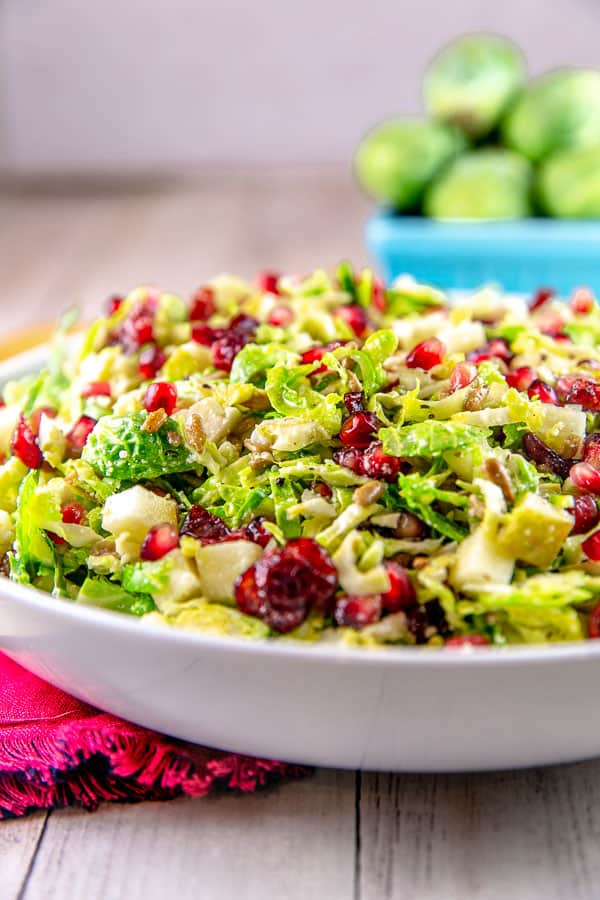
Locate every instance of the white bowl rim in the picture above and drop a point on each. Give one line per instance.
(384, 656)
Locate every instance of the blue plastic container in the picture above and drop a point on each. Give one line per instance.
(521, 256)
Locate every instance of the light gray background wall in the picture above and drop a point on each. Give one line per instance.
(111, 85)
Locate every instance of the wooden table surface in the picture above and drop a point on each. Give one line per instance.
(335, 835)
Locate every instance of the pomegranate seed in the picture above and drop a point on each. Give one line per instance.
(225, 350)
(539, 452)
(499, 349)
(379, 299)
(591, 450)
(591, 547)
(582, 301)
(563, 386)
(357, 612)
(462, 375)
(96, 389)
(56, 539)
(594, 622)
(152, 359)
(542, 296)
(36, 417)
(268, 282)
(114, 304)
(358, 429)
(2, 403)
(351, 458)
(203, 304)
(204, 334)
(552, 325)
(73, 514)
(377, 464)
(24, 445)
(426, 355)
(323, 489)
(478, 356)
(138, 327)
(585, 513)
(427, 620)
(286, 583)
(316, 353)
(542, 391)
(244, 324)
(522, 378)
(401, 594)
(585, 393)
(585, 477)
(80, 432)
(256, 532)
(161, 395)
(199, 523)
(159, 541)
(467, 640)
(354, 401)
(355, 317)
(281, 316)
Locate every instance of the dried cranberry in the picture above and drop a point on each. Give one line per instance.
(354, 401)
(426, 355)
(467, 640)
(114, 304)
(585, 393)
(541, 391)
(161, 395)
(358, 429)
(204, 334)
(377, 464)
(462, 375)
(203, 305)
(36, 417)
(591, 450)
(73, 514)
(539, 452)
(585, 477)
(96, 389)
(540, 297)
(286, 583)
(357, 612)
(401, 594)
(585, 513)
(425, 621)
(594, 622)
(256, 532)
(24, 445)
(582, 301)
(351, 458)
(355, 317)
(152, 359)
(199, 523)
(323, 489)
(281, 316)
(268, 282)
(591, 547)
(225, 350)
(244, 324)
(159, 541)
(521, 378)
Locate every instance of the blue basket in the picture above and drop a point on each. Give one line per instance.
(521, 256)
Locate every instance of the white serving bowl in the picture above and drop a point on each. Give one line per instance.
(400, 709)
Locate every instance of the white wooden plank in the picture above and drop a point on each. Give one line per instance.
(294, 841)
(486, 837)
(18, 843)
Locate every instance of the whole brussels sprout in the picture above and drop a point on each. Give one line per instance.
(472, 81)
(568, 184)
(397, 159)
(483, 184)
(557, 111)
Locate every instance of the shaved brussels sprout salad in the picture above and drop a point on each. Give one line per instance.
(320, 459)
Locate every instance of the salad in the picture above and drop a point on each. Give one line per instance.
(319, 459)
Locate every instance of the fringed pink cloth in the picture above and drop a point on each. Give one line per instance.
(56, 751)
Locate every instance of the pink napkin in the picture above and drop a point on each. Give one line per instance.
(56, 751)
